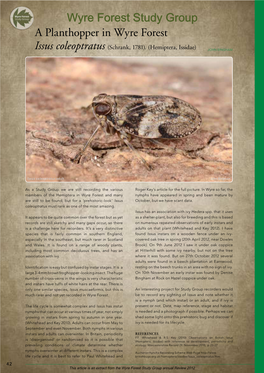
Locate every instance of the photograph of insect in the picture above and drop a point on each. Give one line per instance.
(160, 119)
(148, 117)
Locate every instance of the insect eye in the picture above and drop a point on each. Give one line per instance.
(102, 109)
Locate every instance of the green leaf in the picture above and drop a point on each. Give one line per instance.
(17, 17)
(14, 19)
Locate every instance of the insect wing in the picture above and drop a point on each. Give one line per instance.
(156, 116)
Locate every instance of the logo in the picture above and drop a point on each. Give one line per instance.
(21, 18)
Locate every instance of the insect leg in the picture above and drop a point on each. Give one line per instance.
(112, 130)
(156, 142)
(131, 147)
(78, 156)
(176, 151)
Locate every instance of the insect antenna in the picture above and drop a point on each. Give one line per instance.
(88, 110)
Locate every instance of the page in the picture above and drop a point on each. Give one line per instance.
(127, 186)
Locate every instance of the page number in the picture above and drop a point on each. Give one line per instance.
(9, 363)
